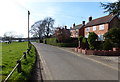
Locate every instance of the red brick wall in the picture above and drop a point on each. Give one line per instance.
(97, 31)
(81, 31)
(98, 52)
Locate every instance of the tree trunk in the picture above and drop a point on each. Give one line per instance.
(48, 29)
(39, 38)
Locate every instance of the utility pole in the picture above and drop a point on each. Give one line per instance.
(28, 29)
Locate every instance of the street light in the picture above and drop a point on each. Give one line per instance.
(28, 29)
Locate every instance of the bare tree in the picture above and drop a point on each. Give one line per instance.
(37, 29)
(8, 36)
(48, 21)
(42, 28)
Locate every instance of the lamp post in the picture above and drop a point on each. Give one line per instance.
(28, 29)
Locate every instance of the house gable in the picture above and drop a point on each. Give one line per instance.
(101, 25)
(77, 31)
(101, 20)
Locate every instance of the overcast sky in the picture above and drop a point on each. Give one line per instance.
(13, 13)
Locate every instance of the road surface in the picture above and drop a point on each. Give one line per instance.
(62, 65)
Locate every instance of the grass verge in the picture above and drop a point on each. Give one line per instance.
(10, 54)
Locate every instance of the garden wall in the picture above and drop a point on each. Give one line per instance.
(99, 52)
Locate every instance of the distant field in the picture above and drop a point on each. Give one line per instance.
(10, 54)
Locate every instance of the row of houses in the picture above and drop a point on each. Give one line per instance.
(100, 26)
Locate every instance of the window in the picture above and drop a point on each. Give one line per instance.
(86, 36)
(87, 29)
(76, 33)
(100, 37)
(101, 27)
(94, 28)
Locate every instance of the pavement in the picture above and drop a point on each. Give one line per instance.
(64, 64)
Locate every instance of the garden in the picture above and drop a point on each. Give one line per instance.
(109, 46)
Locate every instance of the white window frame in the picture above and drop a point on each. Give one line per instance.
(94, 28)
(100, 38)
(101, 27)
(87, 29)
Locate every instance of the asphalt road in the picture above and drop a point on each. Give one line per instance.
(62, 65)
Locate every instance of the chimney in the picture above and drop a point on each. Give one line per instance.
(74, 25)
(90, 18)
(83, 22)
(65, 27)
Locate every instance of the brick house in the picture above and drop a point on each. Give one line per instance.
(101, 25)
(77, 30)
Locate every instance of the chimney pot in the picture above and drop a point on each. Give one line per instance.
(74, 25)
(83, 22)
(65, 27)
(90, 18)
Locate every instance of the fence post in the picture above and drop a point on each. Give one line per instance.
(30, 47)
(28, 51)
(19, 66)
(24, 55)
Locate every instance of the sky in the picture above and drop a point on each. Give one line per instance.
(14, 13)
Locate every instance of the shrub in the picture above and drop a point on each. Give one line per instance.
(84, 40)
(84, 43)
(91, 40)
(113, 35)
(80, 38)
(107, 45)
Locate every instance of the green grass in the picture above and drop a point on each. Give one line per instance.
(0, 60)
(13, 52)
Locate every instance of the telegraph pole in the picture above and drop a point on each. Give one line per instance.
(28, 28)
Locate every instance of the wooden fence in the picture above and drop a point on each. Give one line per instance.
(18, 65)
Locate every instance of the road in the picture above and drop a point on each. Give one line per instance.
(62, 65)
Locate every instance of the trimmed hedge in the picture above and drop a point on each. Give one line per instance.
(53, 41)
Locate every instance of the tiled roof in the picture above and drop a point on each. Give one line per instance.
(101, 20)
(77, 27)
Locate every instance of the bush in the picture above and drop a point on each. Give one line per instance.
(99, 45)
(80, 38)
(113, 35)
(92, 39)
(107, 45)
(84, 43)
(84, 40)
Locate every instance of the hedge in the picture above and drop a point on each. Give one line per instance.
(53, 41)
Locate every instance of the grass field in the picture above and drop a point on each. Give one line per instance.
(13, 52)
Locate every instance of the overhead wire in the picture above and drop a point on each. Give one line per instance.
(20, 5)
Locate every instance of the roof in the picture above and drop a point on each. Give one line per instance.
(101, 20)
(77, 27)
